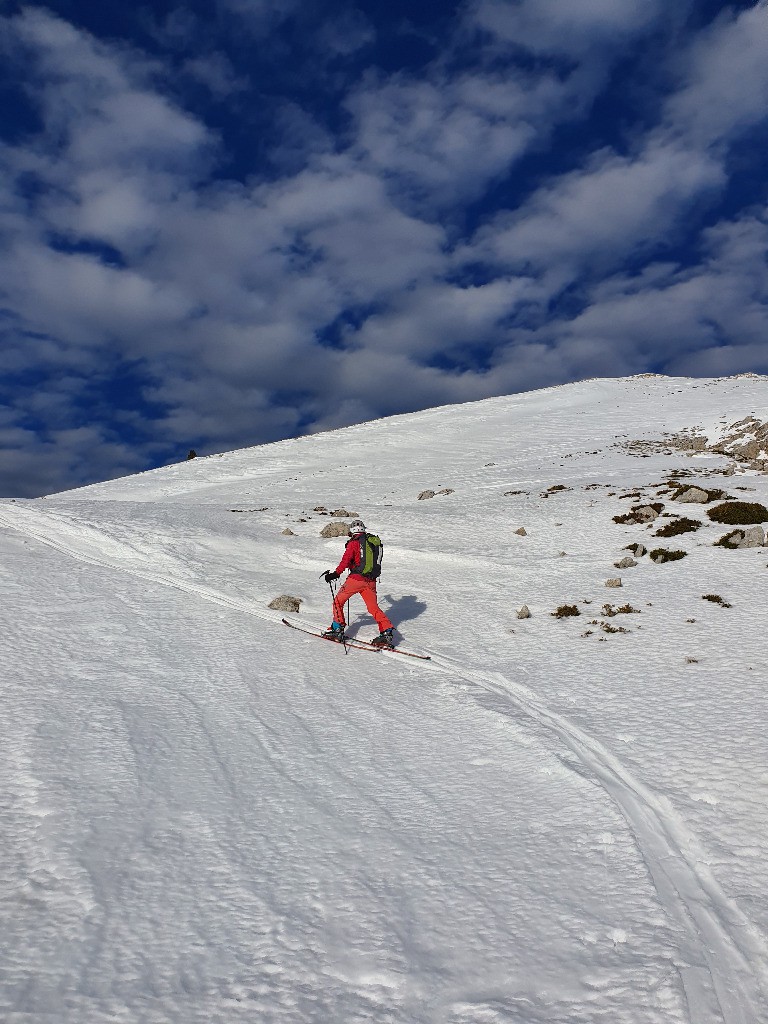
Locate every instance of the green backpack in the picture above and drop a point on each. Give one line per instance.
(372, 551)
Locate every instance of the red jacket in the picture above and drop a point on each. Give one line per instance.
(352, 556)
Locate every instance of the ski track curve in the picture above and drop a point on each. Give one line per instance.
(730, 945)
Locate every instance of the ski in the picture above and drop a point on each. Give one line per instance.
(357, 644)
(361, 645)
(397, 650)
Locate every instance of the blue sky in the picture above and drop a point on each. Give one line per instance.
(225, 223)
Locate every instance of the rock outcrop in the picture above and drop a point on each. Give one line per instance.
(749, 537)
(693, 494)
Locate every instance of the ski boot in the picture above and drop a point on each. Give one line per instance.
(384, 639)
(335, 632)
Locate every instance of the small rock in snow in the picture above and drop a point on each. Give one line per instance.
(645, 513)
(693, 494)
(335, 530)
(638, 550)
(285, 603)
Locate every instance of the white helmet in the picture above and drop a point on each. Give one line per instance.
(356, 526)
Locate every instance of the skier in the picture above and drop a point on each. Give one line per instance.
(362, 556)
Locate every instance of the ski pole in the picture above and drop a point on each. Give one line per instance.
(333, 605)
(343, 633)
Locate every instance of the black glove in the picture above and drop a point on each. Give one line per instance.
(330, 576)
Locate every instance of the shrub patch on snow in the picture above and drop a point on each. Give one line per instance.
(553, 490)
(716, 599)
(565, 610)
(682, 525)
(625, 609)
(739, 513)
(607, 627)
(661, 555)
(640, 513)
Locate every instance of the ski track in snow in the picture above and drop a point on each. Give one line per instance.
(724, 944)
(733, 949)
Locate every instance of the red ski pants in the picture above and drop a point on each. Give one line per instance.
(367, 590)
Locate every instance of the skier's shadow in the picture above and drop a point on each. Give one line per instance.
(399, 609)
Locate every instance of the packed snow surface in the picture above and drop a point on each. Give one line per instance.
(208, 817)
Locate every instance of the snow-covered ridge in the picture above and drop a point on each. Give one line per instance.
(630, 406)
(209, 817)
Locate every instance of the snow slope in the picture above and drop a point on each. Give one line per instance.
(208, 817)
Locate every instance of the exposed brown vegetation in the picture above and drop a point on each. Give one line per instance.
(677, 526)
(565, 610)
(739, 513)
(661, 555)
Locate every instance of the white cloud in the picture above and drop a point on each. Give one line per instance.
(78, 298)
(725, 79)
(443, 141)
(601, 214)
(686, 320)
(443, 318)
(31, 465)
(564, 27)
(58, 48)
(196, 409)
(112, 148)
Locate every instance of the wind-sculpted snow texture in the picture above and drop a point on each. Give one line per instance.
(210, 818)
